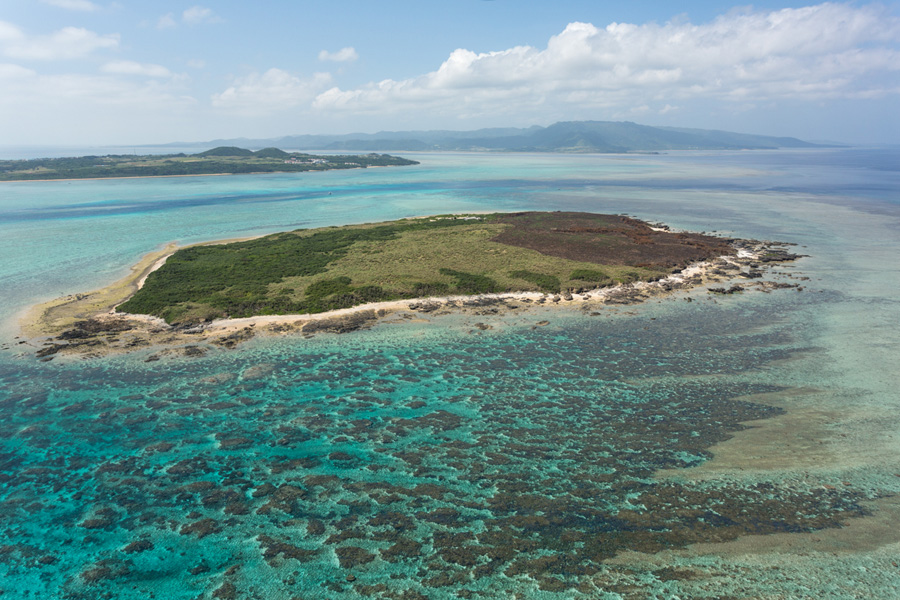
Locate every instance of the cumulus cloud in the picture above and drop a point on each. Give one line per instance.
(41, 107)
(828, 50)
(199, 14)
(9, 33)
(28, 89)
(79, 5)
(271, 91)
(129, 67)
(194, 15)
(10, 73)
(67, 43)
(343, 55)
(166, 21)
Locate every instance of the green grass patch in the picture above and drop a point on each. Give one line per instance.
(259, 276)
(309, 271)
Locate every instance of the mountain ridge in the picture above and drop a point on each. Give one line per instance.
(563, 136)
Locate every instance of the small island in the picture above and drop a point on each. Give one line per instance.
(224, 160)
(338, 279)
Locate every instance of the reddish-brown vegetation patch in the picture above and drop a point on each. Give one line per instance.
(608, 239)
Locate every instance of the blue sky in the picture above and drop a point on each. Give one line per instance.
(80, 72)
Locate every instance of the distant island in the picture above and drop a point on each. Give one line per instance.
(339, 279)
(217, 161)
(568, 136)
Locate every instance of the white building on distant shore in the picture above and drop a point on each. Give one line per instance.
(305, 161)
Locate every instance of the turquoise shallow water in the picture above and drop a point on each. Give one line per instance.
(436, 460)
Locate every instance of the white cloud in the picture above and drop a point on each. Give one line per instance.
(67, 43)
(272, 91)
(97, 111)
(343, 55)
(129, 67)
(167, 21)
(824, 51)
(29, 90)
(79, 5)
(73, 108)
(199, 14)
(194, 15)
(10, 72)
(9, 33)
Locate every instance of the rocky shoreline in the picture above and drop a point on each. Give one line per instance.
(107, 332)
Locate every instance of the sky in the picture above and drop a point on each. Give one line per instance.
(83, 72)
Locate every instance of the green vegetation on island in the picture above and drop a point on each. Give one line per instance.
(317, 270)
(217, 161)
(568, 136)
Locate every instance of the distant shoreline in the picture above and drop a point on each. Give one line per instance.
(137, 177)
(70, 179)
(224, 160)
(2, 181)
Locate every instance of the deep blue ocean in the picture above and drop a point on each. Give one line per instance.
(742, 446)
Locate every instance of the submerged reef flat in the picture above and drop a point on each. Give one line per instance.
(342, 279)
(403, 469)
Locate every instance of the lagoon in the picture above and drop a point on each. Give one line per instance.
(740, 445)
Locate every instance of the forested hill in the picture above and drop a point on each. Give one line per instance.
(571, 136)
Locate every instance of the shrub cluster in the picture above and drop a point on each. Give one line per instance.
(470, 283)
(590, 275)
(233, 279)
(547, 283)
